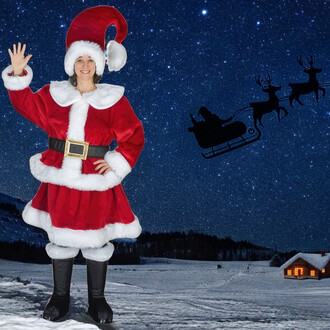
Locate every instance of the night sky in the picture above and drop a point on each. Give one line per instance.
(183, 55)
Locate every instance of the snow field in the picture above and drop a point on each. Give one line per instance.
(171, 294)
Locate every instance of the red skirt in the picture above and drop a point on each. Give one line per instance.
(83, 210)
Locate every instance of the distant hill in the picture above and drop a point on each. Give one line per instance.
(12, 226)
(6, 199)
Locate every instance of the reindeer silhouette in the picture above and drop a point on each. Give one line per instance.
(306, 87)
(261, 108)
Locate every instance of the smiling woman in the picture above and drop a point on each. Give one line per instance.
(80, 202)
(84, 77)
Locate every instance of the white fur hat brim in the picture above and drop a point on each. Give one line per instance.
(116, 56)
(80, 48)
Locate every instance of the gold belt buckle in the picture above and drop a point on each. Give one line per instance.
(70, 154)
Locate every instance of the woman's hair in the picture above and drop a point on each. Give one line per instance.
(73, 79)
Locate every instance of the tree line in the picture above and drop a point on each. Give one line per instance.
(177, 245)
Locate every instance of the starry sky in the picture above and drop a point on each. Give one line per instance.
(183, 55)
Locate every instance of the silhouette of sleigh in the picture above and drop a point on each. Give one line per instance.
(211, 132)
(221, 139)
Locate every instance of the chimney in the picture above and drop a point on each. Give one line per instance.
(323, 253)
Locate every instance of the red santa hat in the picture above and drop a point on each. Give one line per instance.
(86, 36)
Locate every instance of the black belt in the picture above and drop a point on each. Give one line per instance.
(77, 149)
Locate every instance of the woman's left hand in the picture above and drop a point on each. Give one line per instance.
(103, 166)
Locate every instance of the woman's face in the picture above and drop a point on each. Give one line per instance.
(84, 67)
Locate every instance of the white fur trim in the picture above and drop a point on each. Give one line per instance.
(116, 55)
(79, 238)
(80, 48)
(118, 163)
(77, 121)
(105, 95)
(100, 254)
(64, 93)
(69, 174)
(16, 83)
(71, 177)
(60, 252)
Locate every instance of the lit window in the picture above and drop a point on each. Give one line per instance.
(289, 272)
(298, 271)
(312, 272)
(323, 270)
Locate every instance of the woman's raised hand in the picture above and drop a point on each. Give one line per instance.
(18, 61)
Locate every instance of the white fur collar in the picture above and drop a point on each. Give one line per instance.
(105, 95)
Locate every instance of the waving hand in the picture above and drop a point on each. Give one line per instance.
(18, 61)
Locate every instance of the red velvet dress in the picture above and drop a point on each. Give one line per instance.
(75, 205)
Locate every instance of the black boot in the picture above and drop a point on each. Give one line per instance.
(58, 305)
(98, 308)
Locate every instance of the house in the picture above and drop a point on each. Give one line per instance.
(307, 265)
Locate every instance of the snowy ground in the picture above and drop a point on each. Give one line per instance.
(171, 294)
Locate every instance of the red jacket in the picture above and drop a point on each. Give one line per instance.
(75, 205)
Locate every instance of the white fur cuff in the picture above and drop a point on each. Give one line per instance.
(16, 83)
(99, 254)
(60, 252)
(118, 163)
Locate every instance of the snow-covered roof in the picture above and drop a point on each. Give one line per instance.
(314, 259)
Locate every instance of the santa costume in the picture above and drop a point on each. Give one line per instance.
(78, 207)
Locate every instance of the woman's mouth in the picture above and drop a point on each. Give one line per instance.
(85, 71)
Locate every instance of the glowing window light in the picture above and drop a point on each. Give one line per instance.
(312, 272)
(323, 270)
(298, 271)
(289, 272)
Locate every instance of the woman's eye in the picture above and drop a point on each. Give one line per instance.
(90, 61)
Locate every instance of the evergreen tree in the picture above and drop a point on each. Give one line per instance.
(276, 261)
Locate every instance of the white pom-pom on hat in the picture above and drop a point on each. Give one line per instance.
(116, 55)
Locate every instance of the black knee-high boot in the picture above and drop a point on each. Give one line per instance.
(58, 305)
(98, 308)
